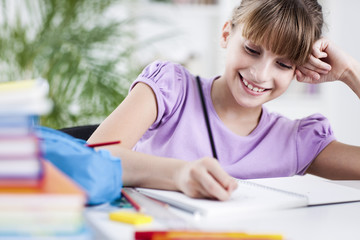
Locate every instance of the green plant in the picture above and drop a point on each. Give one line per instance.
(85, 55)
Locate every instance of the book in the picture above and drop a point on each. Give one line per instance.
(21, 183)
(56, 191)
(20, 161)
(54, 208)
(17, 125)
(19, 146)
(249, 197)
(20, 168)
(25, 97)
(12, 86)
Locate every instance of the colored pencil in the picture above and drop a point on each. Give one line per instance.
(131, 201)
(92, 145)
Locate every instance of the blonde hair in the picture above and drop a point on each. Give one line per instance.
(285, 27)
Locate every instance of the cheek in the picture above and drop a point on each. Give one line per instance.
(284, 82)
(236, 55)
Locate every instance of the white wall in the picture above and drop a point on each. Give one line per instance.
(189, 35)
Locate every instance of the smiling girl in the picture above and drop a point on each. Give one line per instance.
(166, 143)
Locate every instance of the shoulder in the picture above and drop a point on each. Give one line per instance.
(275, 120)
(170, 83)
(315, 127)
(317, 124)
(307, 136)
(314, 134)
(315, 121)
(163, 71)
(165, 78)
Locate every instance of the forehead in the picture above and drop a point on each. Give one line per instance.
(265, 41)
(280, 43)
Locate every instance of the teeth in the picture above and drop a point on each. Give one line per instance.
(251, 87)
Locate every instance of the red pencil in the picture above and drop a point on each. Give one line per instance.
(131, 201)
(102, 144)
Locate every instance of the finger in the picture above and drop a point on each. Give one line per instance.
(196, 191)
(200, 192)
(232, 185)
(318, 53)
(212, 187)
(308, 74)
(223, 178)
(205, 194)
(317, 65)
(299, 76)
(302, 78)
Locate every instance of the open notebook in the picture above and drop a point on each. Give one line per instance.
(320, 191)
(260, 195)
(248, 197)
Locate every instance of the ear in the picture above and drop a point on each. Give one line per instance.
(225, 34)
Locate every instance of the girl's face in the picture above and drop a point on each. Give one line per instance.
(253, 74)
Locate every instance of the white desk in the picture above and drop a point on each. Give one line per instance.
(330, 222)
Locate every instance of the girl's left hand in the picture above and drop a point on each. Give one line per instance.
(326, 63)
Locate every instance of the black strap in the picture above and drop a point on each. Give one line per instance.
(206, 116)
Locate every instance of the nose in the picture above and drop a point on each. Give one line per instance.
(261, 71)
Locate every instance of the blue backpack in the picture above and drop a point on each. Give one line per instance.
(97, 172)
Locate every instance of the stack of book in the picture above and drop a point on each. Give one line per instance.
(54, 210)
(36, 199)
(21, 102)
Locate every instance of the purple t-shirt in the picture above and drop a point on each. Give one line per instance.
(277, 147)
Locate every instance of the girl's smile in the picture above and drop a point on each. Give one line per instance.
(252, 88)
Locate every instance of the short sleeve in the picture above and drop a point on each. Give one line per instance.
(166, 79)
(314, 134)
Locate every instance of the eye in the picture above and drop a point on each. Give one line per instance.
(251, 51)
(284, 65)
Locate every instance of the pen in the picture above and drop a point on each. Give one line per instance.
(131, 200)
(155, 209)
(195, 211)
(92, 145)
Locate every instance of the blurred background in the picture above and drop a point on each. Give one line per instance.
(91, 51)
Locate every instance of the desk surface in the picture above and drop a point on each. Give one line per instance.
(331, 222)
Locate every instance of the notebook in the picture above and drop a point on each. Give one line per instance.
(248, 197)
(320, 191)
(260, 195)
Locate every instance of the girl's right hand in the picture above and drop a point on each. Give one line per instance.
(326, 63)
(204, 178)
